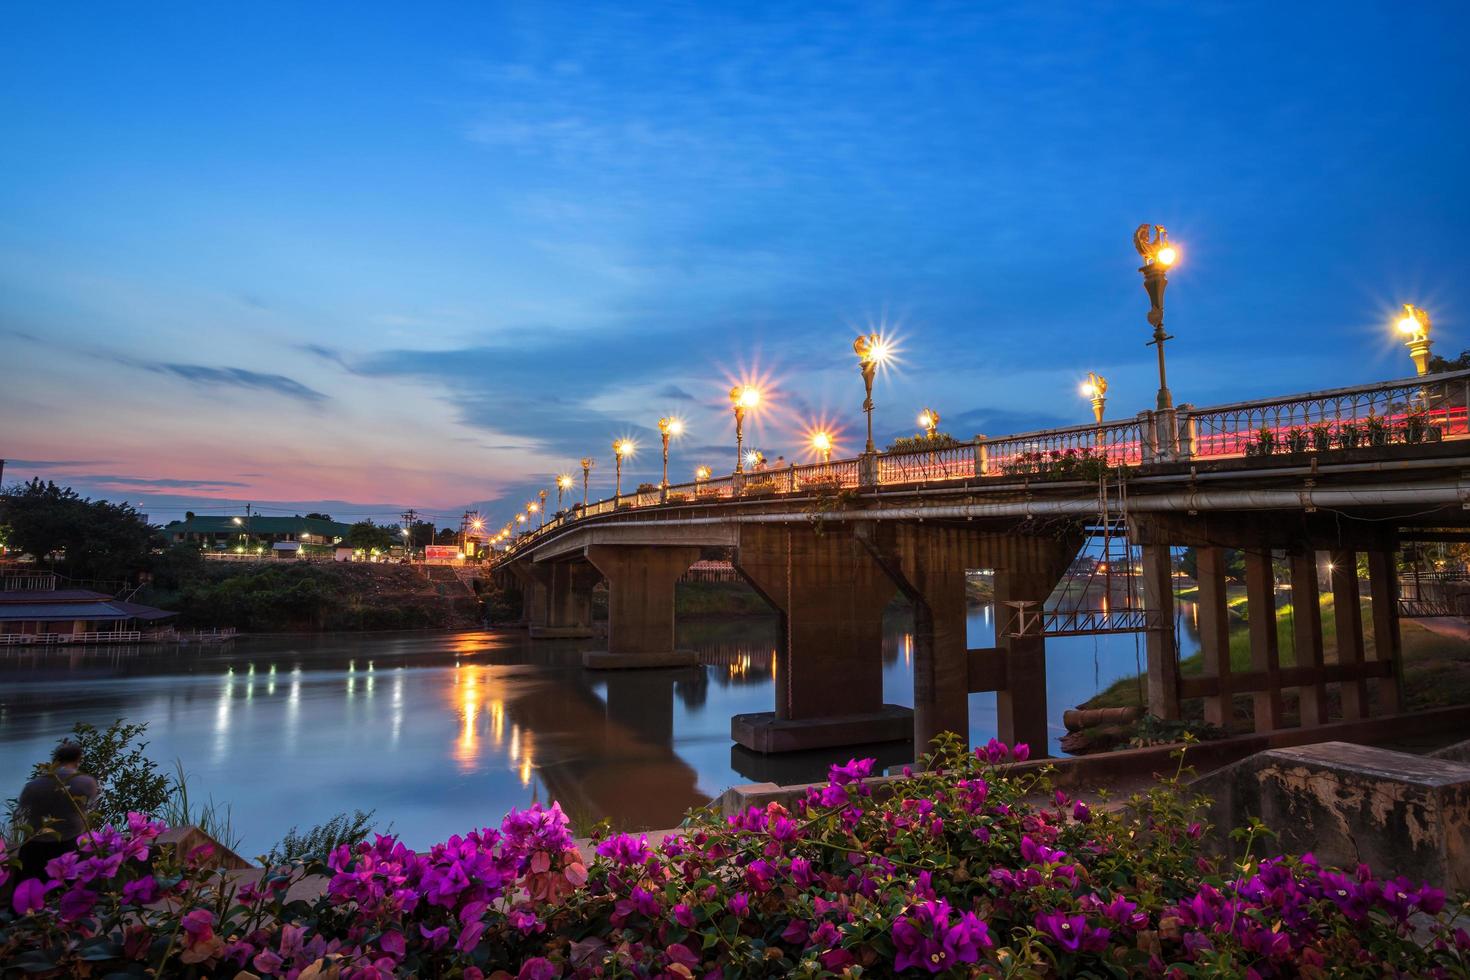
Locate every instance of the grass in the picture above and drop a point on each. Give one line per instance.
(1436, 667)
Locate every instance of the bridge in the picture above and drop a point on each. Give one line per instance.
(1345, 472)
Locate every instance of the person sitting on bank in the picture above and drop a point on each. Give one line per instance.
(54, 805)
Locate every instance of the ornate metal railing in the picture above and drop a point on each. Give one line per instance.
(1049, 450)
(1394, 412)
(952, 462)
(1404, 412)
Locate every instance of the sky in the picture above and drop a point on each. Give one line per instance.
(360, 257)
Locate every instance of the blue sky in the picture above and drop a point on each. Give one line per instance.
(385, 256)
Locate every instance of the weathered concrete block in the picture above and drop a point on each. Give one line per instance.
(603, 660)
(561, 632)
(1348, 804)
(762, 731)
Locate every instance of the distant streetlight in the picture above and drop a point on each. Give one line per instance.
(563, 484)
(929, 422)
(621, 449)
(520, 518)
(822, 443)
(1096, 388)
(668, 426)
(541, 496)
(872, 350)
(701, 473)
(1159, 256)
(587, 463)
(742, 397)
(1414, 327)
(754, 458)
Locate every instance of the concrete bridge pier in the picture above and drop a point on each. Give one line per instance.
(928, 563)
(568, 600)
(533, 580)
(640, 605)
(830, 594)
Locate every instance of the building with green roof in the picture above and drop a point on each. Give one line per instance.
(236, 531)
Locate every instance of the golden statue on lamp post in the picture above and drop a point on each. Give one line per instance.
(1414, 327)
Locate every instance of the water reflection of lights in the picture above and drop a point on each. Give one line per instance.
(469, 706)
(397, 723)
(250, 684)
(270, 685)
(908, 649)
(497, 721)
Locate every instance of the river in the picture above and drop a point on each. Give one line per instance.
(442, 732)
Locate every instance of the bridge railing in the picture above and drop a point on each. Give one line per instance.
(1408, 411)
(1052, 450)
(951, 462)
(1393, 412)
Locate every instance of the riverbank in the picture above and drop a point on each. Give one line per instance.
(1436, 657)
(281, 596)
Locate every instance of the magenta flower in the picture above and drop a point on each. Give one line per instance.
(924, 938)
(682, 955)
(855, 770)
(434, 938)
(739, 905)
(1081, 813)
(267, 962)
(30, 895)
(1071, 932)
(797, 932)
(538, 968)
(626, 850)
(76, 902)
(1021, 752)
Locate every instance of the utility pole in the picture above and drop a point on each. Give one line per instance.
(408, 517)
(249, 537)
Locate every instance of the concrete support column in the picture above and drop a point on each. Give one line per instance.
(533, 580)
(1214, 632)
(1348, 615)
(830, 594)
(928, 563)
(1163, 650)
(568, 589)
(1020, 709)
(1383, 587)
(1260, 592)
(1306, 616)
(640, 604)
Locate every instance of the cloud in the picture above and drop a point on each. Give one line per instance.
(161, 483)
(210, 377)
(54, 464)
(675, 392)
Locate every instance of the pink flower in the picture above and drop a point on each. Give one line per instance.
(739, 905)
(538, 968)
(267, 962)
(76, 903)
(140, 891)
(684, 915)
(1021, 752)
(683, 955)
(30, 895)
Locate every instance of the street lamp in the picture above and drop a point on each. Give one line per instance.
(587, 463)
(621, 448)
(541, 496)
(1414, 326)
(668, 426)
(563, 484)
(754, 458)
(872, 350)
(822, 443)
(929, 422)
(1159, 256)
(701, 473)
(1096, 388)
(742, 397)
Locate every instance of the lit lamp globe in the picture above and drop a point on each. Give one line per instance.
(822, 444)
(743, 398)
(1414, 327)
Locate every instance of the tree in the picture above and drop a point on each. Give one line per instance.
(366, 535)
(96, 538)
(319, 517)
(447, 535)
(129, 779)
(423, 533)
(1438, 363)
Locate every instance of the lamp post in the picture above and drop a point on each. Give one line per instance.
(541, 495)
(1414, 327)
(742, 397)
(701, 473)
(822, 443)
(872, 350)
(563, 484)
(668, 426)
(1159, 256)
(587, 463)
(621, 448)
(1096, 388)
(929, 421)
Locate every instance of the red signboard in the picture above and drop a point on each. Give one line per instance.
(440, 552)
